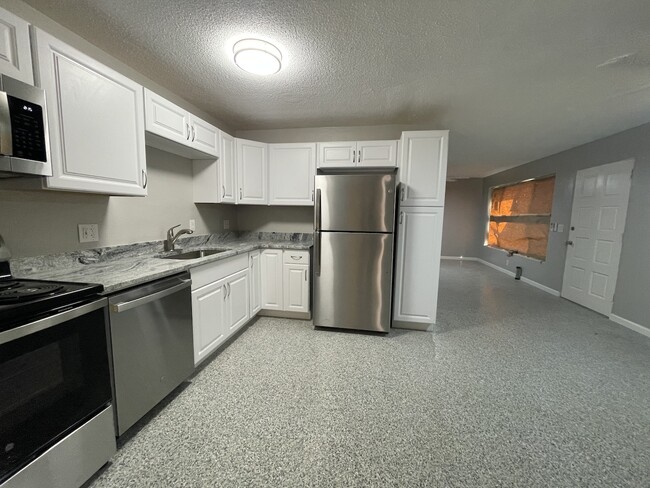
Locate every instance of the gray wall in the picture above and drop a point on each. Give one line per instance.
(462, 234)
(631, 298)
(44, 222)
(275, 219)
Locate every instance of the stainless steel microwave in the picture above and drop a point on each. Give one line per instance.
(24, 141)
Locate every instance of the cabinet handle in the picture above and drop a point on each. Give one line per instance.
(145, 180)
(193, 133)
(225, 292)
(187, 126)
(358, 156)
(305, 275)
(240, 194)
(312, 195)
(401, 217)
(223, 191)
(354, 156)
(296, 258)
(402, 192)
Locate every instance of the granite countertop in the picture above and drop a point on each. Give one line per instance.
(121, 267)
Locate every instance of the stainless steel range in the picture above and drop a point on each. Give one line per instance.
(56, 418)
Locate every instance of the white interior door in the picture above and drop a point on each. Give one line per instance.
(600, 202)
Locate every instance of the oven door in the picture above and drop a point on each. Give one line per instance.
(54, 375)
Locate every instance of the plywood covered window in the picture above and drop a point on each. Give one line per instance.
(520, 216)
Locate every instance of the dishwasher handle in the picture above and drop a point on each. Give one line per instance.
(124, 306)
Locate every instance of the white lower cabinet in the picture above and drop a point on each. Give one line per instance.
(208, 318)
(220, 303)
(285, 282)
(295, 285)
(271, 264)
(255, 277)
(417, 266)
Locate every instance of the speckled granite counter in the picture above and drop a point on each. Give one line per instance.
(122, 267)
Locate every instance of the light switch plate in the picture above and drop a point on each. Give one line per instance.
(88, 232)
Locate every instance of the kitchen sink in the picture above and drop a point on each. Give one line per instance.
(199, 253)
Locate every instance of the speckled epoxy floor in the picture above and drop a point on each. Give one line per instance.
(514, 388)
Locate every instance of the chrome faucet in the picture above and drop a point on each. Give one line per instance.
(171, 238)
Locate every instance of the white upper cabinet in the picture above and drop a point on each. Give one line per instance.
(96, 119)
(251, 172)
(354, 154)
(214, 180)
(15, 53)
(337, 154)
(377, 153)
(165, 119)
(227, 168)
(291, 174)
(423, 168)
(175, 130)
(205, 137)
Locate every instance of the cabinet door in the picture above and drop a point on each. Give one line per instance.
(227, 170)
(419, 236)
(295, 285)
(204, 136)
(377, 153)
(271, 273)
(96, 119)
(238, 312)
(255, 274)
(291, 174)
(166, 119)
(337, 154)
(423, 168)
(208, 319)
(15, 54)
(251, 172)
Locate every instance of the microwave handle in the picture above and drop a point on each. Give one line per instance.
(6, 142)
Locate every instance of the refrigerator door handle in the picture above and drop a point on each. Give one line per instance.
(317, 221)
(317, 253)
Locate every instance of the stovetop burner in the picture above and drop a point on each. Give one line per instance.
(7, 285)
(21, 293)
(24, 300)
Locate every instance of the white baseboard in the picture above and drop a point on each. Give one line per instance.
(630, 325)
(459, 258)
(523, 278)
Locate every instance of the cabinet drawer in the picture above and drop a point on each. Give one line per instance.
(295, 257)
(211, 272)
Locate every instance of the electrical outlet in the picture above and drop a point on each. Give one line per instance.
(226, 224)
(560, 227)
(192, 225)
(88, 232)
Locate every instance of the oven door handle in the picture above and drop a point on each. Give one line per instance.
(47, 322)
(124, 306)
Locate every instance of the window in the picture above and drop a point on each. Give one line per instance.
(520, 216)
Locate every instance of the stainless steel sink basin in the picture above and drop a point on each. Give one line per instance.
(199, 253)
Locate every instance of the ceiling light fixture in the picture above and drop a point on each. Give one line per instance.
(257, 56)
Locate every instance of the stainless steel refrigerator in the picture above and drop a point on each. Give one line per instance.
(354, 216)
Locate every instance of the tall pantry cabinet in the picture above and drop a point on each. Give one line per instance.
(422, 175)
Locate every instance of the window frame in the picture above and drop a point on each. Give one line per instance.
(526, 216)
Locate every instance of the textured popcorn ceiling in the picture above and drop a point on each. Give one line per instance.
(514, 80)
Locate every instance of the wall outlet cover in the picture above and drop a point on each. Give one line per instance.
(192, 225)
(88, 232)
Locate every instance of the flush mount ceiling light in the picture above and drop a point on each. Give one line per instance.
(257, 56)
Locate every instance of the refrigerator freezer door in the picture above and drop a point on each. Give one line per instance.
(353, 280)
(356, 202)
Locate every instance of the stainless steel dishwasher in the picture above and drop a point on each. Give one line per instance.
(151, 342)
